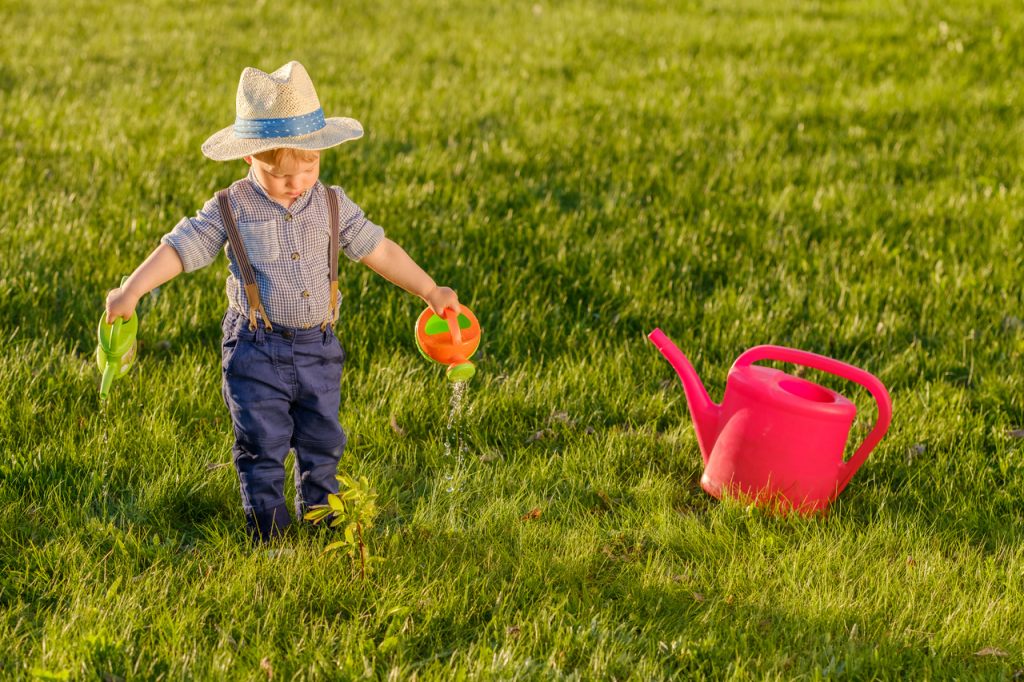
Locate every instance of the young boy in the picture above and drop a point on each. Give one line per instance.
(280, 358)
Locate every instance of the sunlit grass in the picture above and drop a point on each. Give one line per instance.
(839, 177)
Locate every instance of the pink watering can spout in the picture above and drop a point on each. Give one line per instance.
(703, 410)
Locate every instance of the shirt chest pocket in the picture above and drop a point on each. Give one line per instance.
(261, 241)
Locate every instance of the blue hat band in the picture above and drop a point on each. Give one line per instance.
(262, 128)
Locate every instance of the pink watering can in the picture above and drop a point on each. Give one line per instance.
(777, 439)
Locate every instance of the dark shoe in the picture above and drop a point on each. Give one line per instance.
(268, 524)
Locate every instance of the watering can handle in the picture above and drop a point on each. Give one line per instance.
(115, 331)
(839, 369)
(453, 325)
(115, 327)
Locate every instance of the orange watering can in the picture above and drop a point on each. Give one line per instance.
(450, 341)
(777, 439)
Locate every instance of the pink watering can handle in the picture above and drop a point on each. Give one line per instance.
(839, 369)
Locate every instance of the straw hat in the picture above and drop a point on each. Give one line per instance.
(279, 109)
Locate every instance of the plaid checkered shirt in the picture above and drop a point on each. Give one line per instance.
(288, 248)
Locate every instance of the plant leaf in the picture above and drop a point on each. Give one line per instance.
(532, 514)
(316, 515)
(335, 502)
(338, 544)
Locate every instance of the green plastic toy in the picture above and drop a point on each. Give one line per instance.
(115, 352)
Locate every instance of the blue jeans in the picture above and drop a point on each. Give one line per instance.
(283, 391)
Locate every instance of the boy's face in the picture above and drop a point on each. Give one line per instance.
(286, 182)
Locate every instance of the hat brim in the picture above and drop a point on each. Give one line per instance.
(224, 146)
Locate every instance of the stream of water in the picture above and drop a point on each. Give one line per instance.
(454, 446)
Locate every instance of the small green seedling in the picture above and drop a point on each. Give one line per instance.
(355, 507)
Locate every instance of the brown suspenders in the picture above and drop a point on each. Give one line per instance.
(332, 210)
(252, 292)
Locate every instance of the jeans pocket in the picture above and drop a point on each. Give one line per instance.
(319, 364)
(261, 241)
(229, 347)
(341, 351)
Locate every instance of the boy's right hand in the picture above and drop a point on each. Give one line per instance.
(120, 303)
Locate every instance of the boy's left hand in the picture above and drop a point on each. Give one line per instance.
(440, 298)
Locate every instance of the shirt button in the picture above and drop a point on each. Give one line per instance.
(305, 294)
(295, 256)
(287, 216)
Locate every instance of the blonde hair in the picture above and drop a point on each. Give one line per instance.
(275, 156)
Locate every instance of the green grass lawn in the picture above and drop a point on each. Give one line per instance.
(842, 177)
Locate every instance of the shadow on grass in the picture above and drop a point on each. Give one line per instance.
(717, 636)
(60, 494)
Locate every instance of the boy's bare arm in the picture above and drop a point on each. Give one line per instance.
(390, 261)
(163, 265)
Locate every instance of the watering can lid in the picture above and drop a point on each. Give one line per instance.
(430, 323)
(790, 392)
(433, 334)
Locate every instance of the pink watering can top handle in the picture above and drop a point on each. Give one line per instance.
(844, 371)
